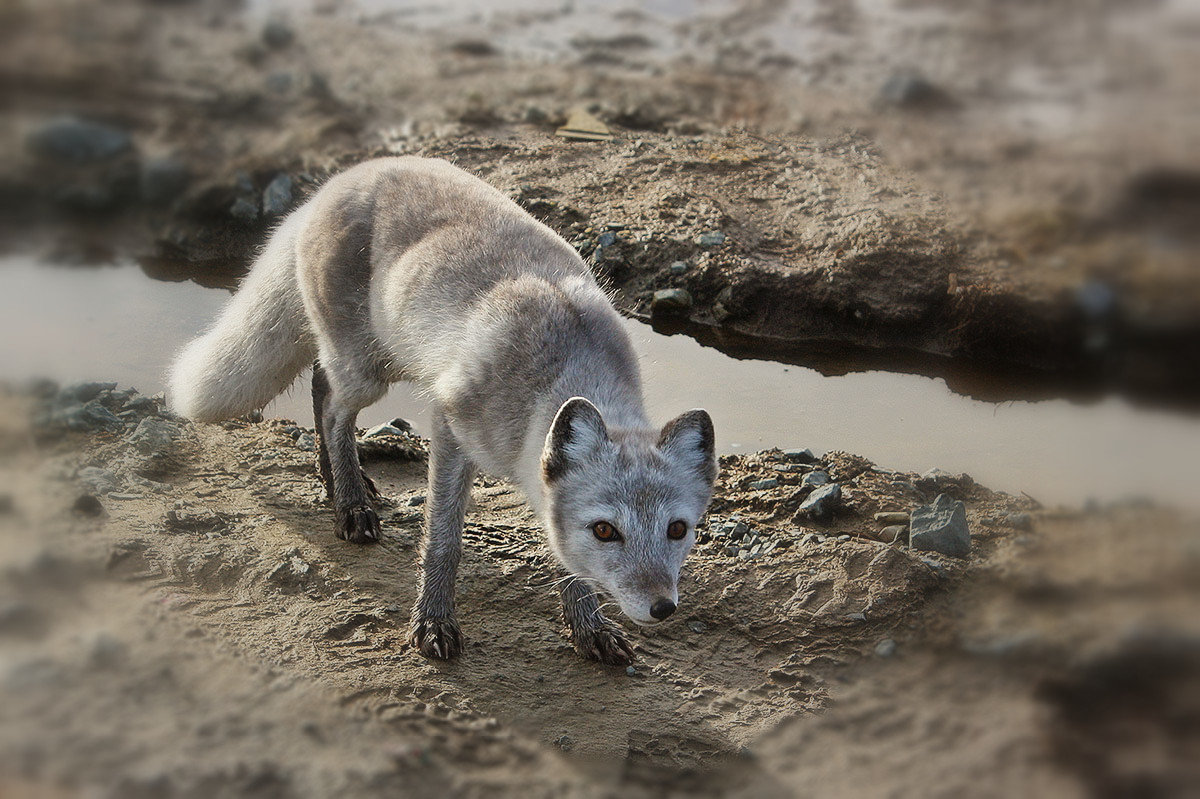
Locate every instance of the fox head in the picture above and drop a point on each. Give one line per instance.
(622, 505)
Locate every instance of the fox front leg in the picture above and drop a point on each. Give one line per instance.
(594, 636)
(435, 632)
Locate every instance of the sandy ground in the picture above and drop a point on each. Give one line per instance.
(204, 633)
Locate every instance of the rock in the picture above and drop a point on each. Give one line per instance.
(182, 519)
(1019, 521)
(631, 671)
(821, 503)
(387, 429)
(243, 210)
(763, 485)
(713, 238)
(83, 392)
(909, 90)
(402, 424)
(583, 126)
(697, 626)
(277, 34)
(154, 436)
(944, 482)
(277, 197)
(564, 743)
(815, 478)
(306, 442)
(606, 239)
(97, 480)
(737, 531)
(671, 301)
(416, 499)
(892, 533)
(892, 517)
(798, 456)
(885, 648)
(678, 267)
(1097, 300)
(87, 505)
(78, 141)
(941, 527)
(163, 179)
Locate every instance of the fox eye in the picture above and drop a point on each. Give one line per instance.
(677, 530)
(605, 532)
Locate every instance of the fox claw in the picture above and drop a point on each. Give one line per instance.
(606, 644)
(359, 525)
(436, 638)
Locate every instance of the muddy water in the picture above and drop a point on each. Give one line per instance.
(114, 323)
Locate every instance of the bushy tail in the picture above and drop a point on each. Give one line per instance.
(258, 345)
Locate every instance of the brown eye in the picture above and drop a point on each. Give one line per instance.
(605, 532)
(677, 530)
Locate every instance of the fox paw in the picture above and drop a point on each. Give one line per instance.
(436, 638)
(372, 491)
(606, 644)
(359, 525)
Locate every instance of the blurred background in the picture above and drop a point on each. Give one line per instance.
(938, 235)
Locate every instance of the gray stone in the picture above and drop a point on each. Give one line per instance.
(821, 503)
(383, 430)
(306, 442)
(892, 533)
(88, 417)
(83, 392)
(885, 648)
(88, 505)
(941, 527)
(243, 210)
(277, 197)
(606, 239)
(154, 436)
(631, 671)
(892, 517)
(1019, 521)
(417, 499)
(277, 34)
(678, 267)
(798, 456)
(78, 140)
(97, 480)
(711, 239)
(908, 90)
(737, 531)
(670, 301)
(815, 478)
(763, 485)
(697, 626)
(163, 179)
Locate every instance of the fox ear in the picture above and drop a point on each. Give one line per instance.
(577, 432)
(689, 439)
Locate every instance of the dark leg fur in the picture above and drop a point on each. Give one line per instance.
(435, 632)
(350, 491)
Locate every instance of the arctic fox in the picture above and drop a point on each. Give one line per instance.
(412, 269)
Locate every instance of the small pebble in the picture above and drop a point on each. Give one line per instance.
(892, 517)
(763, 485)
(711, 239)
(885, 648)
(416, 500)
(631, 671)
(697, 626)
(88, 505)
(678, 267)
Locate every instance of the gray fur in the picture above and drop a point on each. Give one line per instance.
(409, 268)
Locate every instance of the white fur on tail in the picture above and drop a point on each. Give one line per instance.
(258, 345)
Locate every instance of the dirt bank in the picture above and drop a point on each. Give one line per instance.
(915, 222)
(178, 619)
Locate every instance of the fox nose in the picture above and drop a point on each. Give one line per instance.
(662, 608)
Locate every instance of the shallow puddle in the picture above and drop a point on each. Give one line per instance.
(115, 323)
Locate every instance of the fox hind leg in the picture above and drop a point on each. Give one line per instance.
(351, 492)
